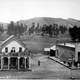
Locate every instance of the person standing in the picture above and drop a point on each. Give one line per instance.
(38, 62)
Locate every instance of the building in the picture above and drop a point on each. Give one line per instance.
(50, 51)
(53, 51)
(13, 54)
(65, 51)
(47, 51)
(68, 52)
(77, 52)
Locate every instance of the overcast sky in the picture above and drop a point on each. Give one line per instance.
(13, 10)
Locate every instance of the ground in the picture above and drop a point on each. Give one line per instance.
(48, 69)
(36, 43)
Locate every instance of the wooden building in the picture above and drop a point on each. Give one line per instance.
(65, 51)
(47, 51)
(77, 52)
(13, 54)
(68, 52)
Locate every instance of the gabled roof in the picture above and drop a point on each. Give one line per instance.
(10, 39)
(53, 47)
(7, 39)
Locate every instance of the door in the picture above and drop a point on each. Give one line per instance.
(22, 63)
(52, 52)
(79, 56)
(5, 63)
(13, 63)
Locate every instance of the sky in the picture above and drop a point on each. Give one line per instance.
(14, 10)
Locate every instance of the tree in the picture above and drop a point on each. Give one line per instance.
(1, 29)
(37, 29)
(15, 29)
(10, 28)
(62, 29)
(25, 27)
(44, 29)
(74, 33)
(49, 30)
(32, 28)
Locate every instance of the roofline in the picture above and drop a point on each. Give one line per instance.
(65, 46)
(9, 38)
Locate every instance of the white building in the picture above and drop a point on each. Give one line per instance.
(13, 54)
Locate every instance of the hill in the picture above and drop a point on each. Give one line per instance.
(47, 20)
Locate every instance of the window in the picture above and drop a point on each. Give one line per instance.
(6, 49)
(20, 49)
(13, 49)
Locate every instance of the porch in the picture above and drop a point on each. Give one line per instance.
(14, 63)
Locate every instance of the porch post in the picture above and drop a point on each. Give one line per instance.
(18, 63)
(8, 63)
(25, 62)
(1, 63)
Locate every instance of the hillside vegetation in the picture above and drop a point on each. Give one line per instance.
(40, 32)
(47, 20)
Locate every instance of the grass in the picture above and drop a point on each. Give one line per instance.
(36, 43)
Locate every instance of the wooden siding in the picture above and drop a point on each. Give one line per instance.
(77, 49)
(65, 53)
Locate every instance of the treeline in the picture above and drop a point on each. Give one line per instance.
(35, 28)
(16, 28)
(75, 33)
(51, 30)
(20, 28)
(1, 29)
